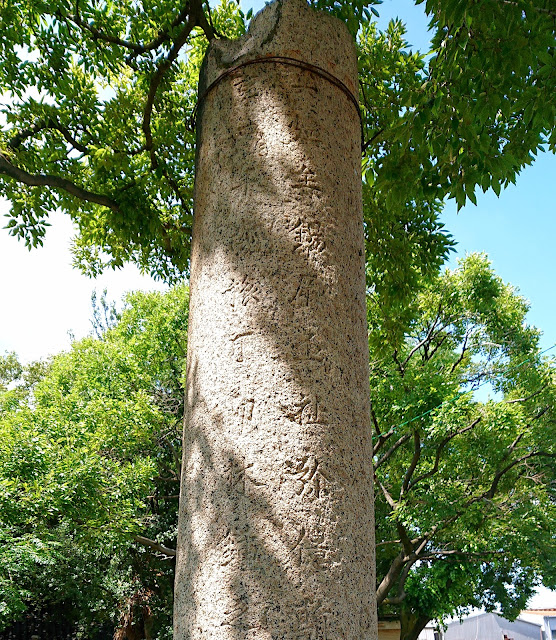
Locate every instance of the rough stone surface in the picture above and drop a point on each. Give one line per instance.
(276, 528)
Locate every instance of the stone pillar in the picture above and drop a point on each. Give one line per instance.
(276, 536)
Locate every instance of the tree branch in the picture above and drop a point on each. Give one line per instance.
(528, 397)
(439, 450)
(398, 363)
(408, 545)
(390, 578)
(375, 423)
(392, 449)
(176, 189)
(206, 25)
(435, 555)
(147, 542)
(372, 139)
(400, 568)
(398, 572)
(488, 494)
(414, 462)
(400, 596)
(155, 83)
(104, 37)
(541, 413)
(552, 14)
(424, 341)
(16, 140)
(463, 350)
(387, 495)
(437, 346)
(135, 48)
(496, 480)
(19, 137)
(56, 182)
(382, 437)
(396, 600)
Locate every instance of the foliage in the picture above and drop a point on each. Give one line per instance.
(108, 118)
(100, 121)
(472, 112)
(405, 241)
(465, 497)
(89, 459)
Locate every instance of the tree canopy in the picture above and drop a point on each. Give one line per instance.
(465, 422)
(99, 120)
(89, 471)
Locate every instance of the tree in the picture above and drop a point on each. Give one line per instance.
(89, 473)
(466, 483)
(107, 136)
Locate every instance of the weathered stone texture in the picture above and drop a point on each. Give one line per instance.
(276, 529)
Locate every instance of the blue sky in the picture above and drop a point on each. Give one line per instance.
(518, 232)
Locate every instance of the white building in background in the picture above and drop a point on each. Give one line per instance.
(430, 632)
(531, 624)
(546, 618)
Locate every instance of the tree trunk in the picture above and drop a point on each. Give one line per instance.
(411, 624)
(276, 535)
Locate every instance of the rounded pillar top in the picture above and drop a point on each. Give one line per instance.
(287, 29)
